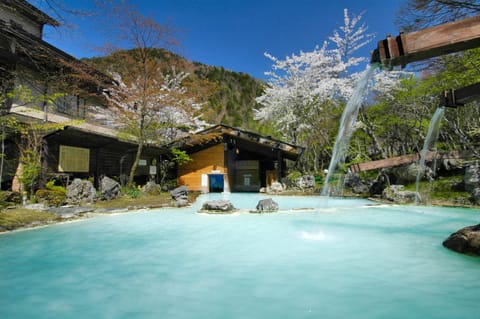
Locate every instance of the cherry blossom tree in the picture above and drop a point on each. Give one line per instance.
(155, 114)
(306, 92)
(147, 102)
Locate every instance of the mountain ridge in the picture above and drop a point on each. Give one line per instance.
(228, 97)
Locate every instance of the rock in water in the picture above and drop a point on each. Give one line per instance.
(465, 241)
(266, 205)
(218, 206)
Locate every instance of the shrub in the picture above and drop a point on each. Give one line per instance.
(8, 198)
(132, 191)
(51, 197)
(50, 185)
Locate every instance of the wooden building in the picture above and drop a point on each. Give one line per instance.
(84, 147)
(228, 159)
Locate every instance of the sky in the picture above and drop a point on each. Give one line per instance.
(235, 34)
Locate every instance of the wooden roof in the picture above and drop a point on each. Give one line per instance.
(217, 133)
(31, 12)
(37, 53)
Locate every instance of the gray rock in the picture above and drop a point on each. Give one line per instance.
(397, 194)
(179, 193)
(475, 196)
(266, 205)
(67, 212)
(276, 187)
(450, 164)
(110, 188)
(152, 188)
(465, 241)
(357, 185)
(471, 181)
(472, 176)
(218, 206)
(408, 173)
(181, 203)
(80, 191)
(305, 182)
(382, 182)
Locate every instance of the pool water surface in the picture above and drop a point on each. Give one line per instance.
(341, 258)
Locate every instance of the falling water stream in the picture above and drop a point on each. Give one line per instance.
(431, 138)
(347, 123)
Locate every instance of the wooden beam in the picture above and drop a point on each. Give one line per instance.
(460, 97)
(427, 43)
(400, 160)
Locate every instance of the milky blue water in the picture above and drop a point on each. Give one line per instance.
(347, 259)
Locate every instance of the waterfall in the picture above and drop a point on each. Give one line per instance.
(431, 138)
(347, 123)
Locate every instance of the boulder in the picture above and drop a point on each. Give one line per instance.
(472, 176)
(110, 188)
(266, 205)
(357, 185)
(382, 182)
(152, 188)
(218, 206)
(475, 196)
(465, 241)
(80, 191)
(305, 182)
(451, 164)
(471, 181)
(408, 173)
(276, 187)
(397, 194)
(180, 195)
(180, 192)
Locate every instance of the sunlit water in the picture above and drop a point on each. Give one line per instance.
(354, 259)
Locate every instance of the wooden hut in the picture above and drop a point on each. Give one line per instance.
(230, 159)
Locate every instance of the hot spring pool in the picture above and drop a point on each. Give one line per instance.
(354, 259)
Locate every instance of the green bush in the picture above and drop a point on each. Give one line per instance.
(50, 185)
(132, 191)
(292, 175)
(51, 197)
(8, 198)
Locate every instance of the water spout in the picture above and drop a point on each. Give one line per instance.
(430, 140)
(347, 123)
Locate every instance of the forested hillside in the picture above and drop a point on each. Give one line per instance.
(227, 97)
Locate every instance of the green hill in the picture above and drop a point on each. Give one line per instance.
(228, 97)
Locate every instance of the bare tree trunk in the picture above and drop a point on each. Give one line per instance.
(135, 164)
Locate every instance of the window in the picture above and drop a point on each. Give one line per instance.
(73, 159)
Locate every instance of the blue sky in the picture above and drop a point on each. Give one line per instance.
(236, 33)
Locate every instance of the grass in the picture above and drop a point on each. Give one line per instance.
(144, 201)
(14, 218)
(442, 190)
(11, 219)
